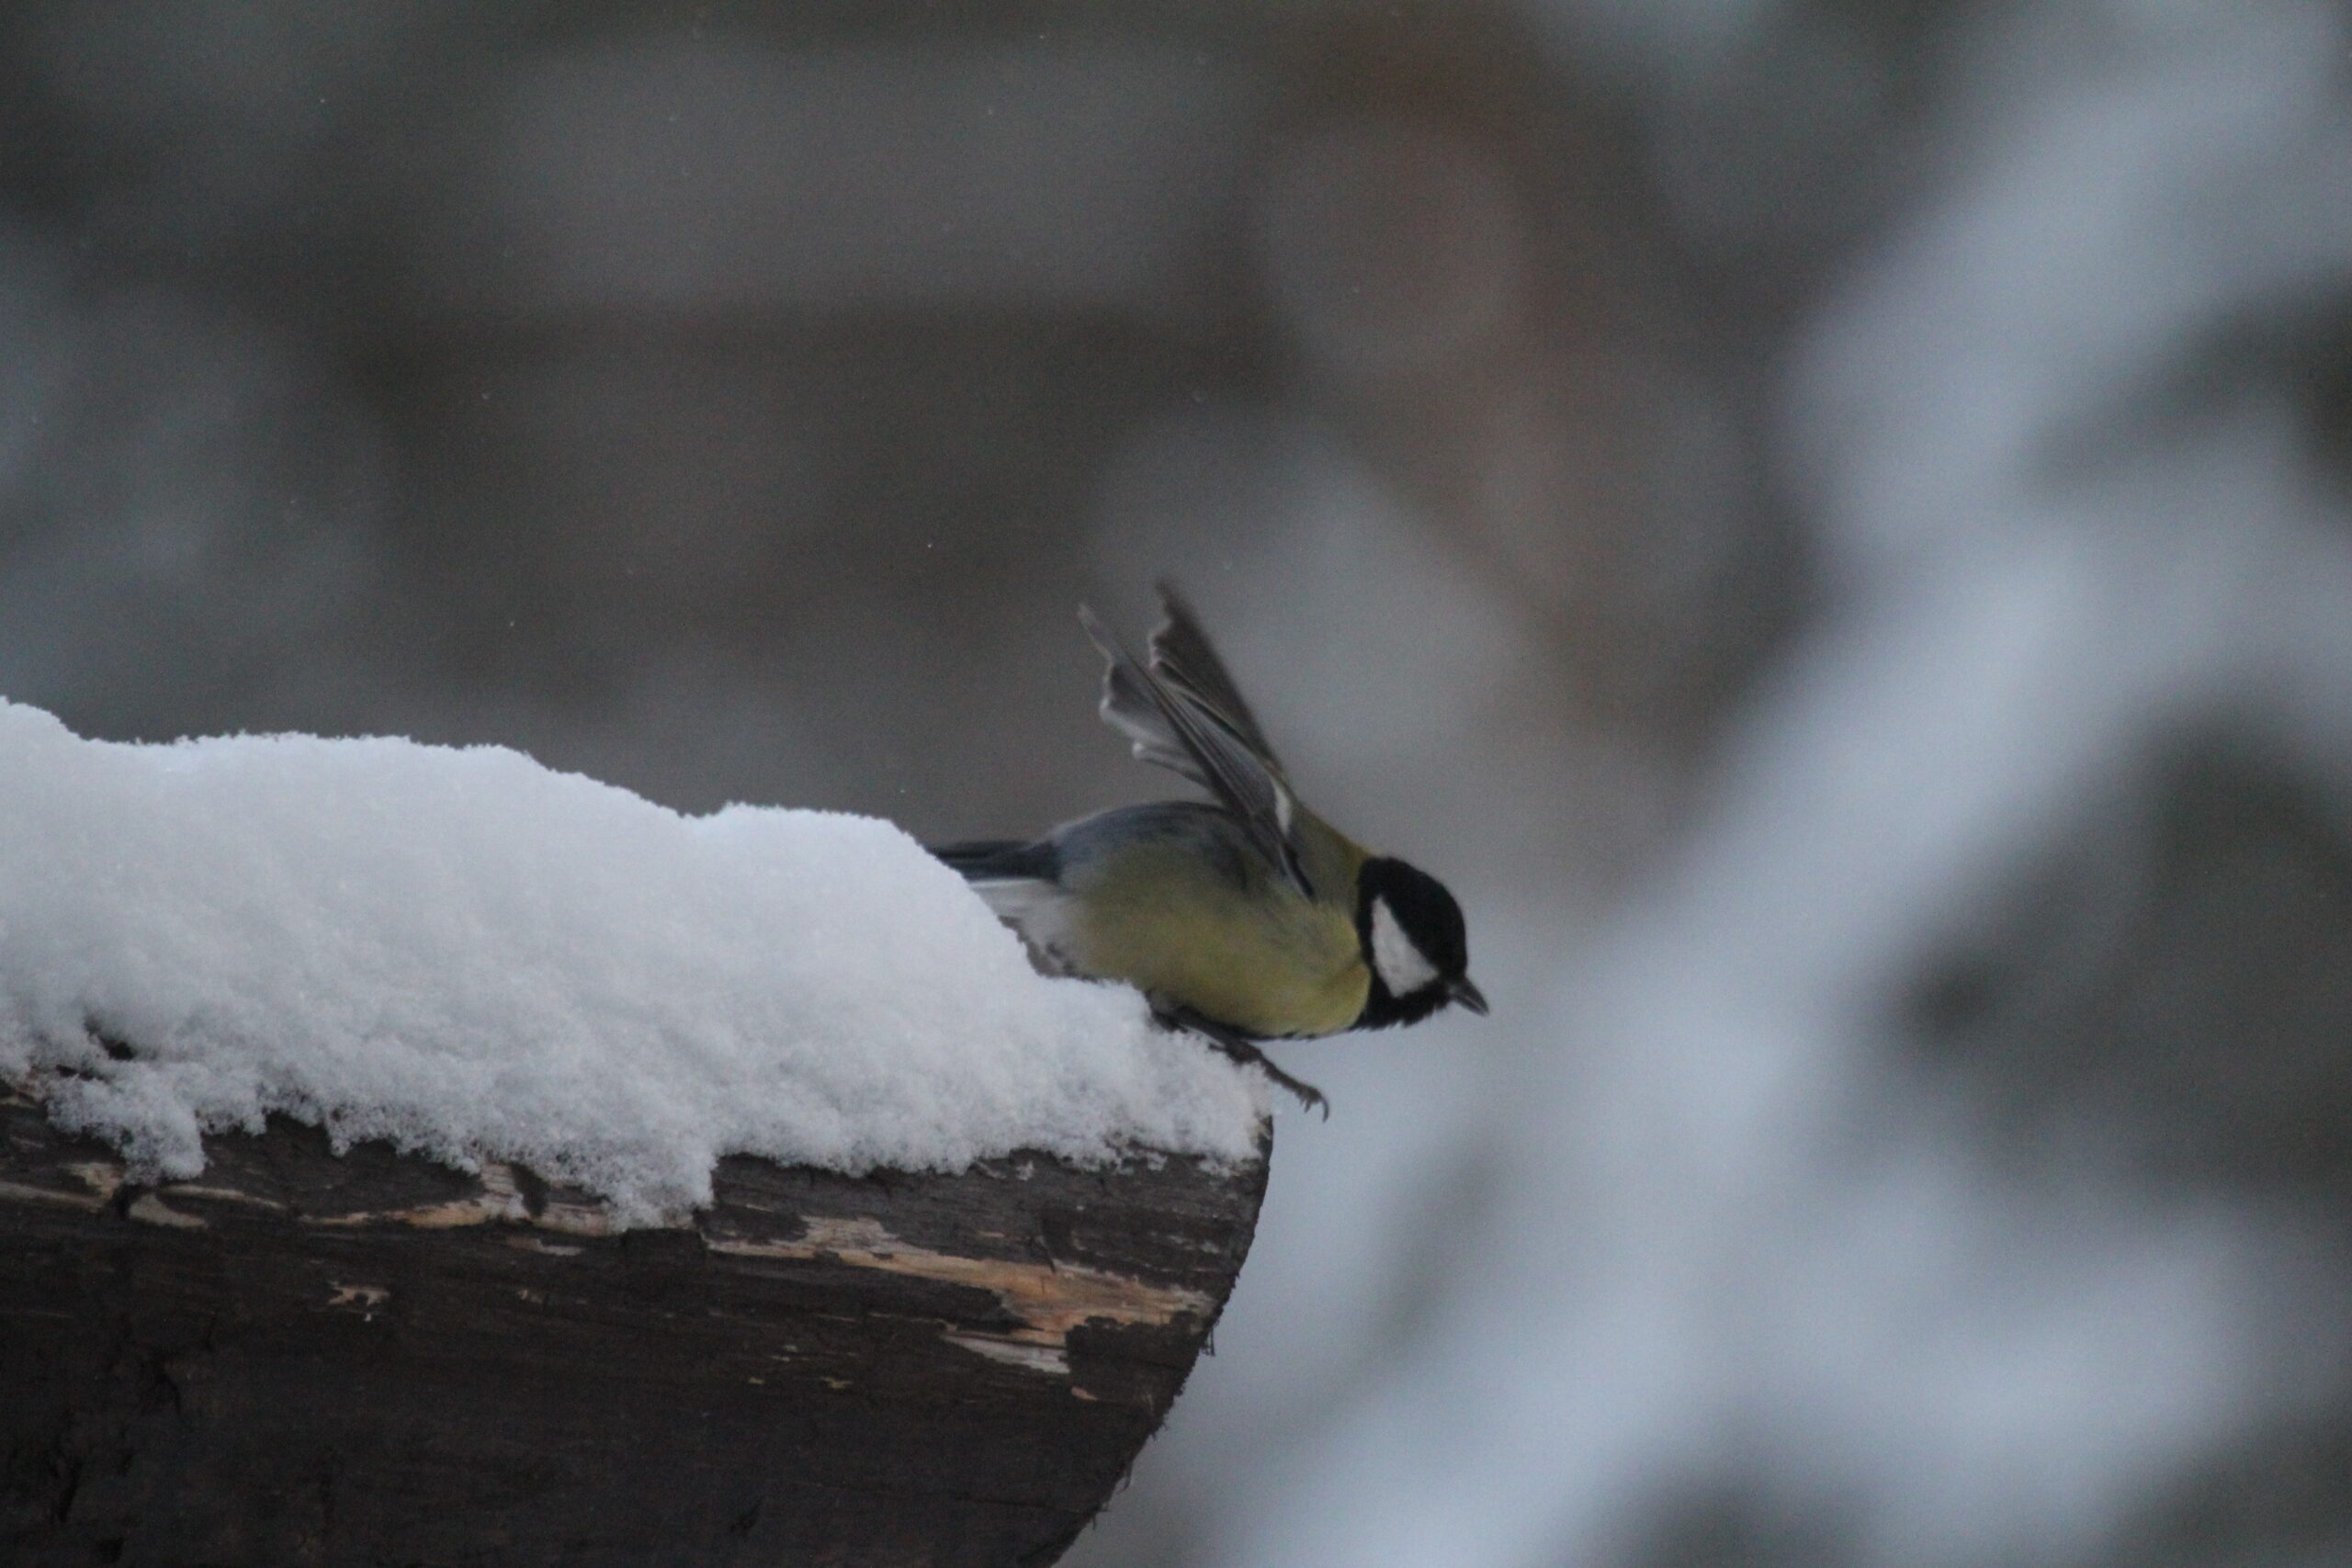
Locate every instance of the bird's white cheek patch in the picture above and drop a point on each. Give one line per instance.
(1402, 967)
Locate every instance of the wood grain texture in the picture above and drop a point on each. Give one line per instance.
(301, 1358)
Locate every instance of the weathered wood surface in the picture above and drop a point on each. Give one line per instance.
(301, 1358)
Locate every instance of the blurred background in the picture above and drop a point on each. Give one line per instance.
(1824, 520)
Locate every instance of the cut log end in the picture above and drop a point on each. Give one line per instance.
(306, 1359)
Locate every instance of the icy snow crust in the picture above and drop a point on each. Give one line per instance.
(479, 958)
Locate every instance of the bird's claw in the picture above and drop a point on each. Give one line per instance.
(1310, 1097)
(1247, 1054)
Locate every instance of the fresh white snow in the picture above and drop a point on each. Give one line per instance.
(480, 958)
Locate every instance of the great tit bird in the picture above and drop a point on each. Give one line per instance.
(1243, 917)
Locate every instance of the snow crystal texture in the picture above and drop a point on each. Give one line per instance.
(479, 958)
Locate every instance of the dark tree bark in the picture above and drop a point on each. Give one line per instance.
(307, 1359)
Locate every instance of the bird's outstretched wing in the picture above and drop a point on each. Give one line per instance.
(1181, 654)
(1183, 714)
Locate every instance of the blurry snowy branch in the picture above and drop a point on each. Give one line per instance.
(1760, 1291)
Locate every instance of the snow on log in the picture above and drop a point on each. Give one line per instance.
(417, 1156)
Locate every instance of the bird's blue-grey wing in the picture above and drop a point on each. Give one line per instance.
(1176, 726)
(1181, 654)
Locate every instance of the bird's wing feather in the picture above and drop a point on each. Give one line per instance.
(1131, 706)
(1174, 724)
(1182, 655)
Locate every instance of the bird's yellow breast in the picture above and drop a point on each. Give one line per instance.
(1256, 957)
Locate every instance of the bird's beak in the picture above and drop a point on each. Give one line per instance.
(1469, 995)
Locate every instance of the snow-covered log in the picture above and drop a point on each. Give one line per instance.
(419, 1157)
(306, 1359)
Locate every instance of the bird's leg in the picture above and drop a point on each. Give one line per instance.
(1244, 1052)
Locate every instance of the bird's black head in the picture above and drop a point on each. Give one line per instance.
(1414, 943)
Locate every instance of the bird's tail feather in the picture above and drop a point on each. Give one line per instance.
(999, 860)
